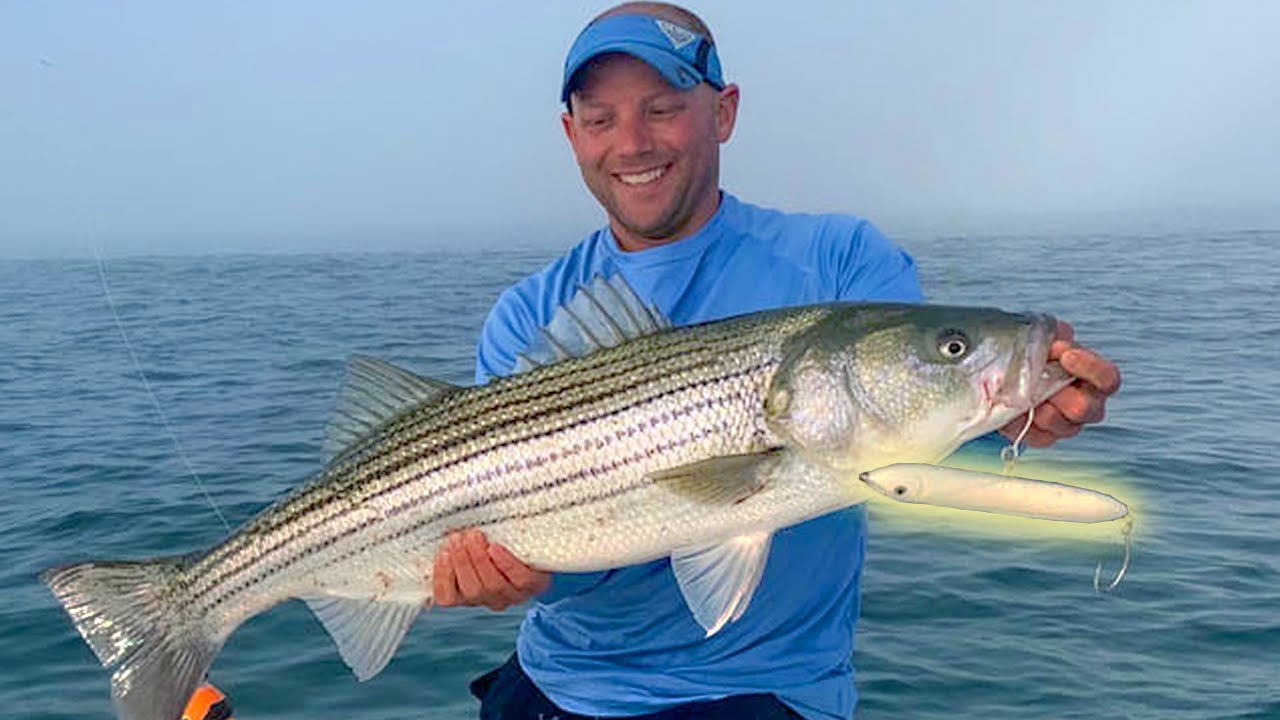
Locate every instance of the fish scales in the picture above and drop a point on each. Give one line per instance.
(570, 437)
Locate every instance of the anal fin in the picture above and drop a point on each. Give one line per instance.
(718, 580)
(367, 632)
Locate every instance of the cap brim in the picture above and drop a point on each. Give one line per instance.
(678, 73)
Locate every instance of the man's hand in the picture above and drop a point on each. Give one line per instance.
(471, 571)
(1078, 404)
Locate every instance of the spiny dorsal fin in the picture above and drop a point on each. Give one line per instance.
(367, 632)
(601, 314)
(374, 392)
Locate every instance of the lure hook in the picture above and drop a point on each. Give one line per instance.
(1127, 532)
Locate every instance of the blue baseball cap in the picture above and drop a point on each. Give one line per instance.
(683, 57)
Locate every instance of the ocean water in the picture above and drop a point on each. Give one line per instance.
(245, 353)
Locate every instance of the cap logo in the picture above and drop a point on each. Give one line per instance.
(678, 36)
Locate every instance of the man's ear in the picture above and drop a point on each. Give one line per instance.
(566, 121)
(726, 112)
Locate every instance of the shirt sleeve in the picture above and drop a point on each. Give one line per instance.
(506, 332)
(871, 267)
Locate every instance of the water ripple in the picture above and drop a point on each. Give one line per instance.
(245, 354)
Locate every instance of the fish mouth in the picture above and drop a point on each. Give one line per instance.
(1032, 377)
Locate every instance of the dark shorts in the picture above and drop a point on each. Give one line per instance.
(506, 693)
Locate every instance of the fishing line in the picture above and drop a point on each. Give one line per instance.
(155, 402)
(1009, 454)
(77, 212)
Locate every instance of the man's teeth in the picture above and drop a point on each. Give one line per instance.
(647, 176)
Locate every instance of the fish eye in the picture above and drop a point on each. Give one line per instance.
(900, 490)
(953, 344)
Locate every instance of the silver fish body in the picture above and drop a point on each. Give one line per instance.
(694, 443)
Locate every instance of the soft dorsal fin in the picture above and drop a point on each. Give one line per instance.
(374, 391)
(367, 632)
(601, 314)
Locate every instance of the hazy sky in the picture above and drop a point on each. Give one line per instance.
(193, 127)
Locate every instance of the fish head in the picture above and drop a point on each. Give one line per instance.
(871, 385)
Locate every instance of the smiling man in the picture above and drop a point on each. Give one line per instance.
(647, 109)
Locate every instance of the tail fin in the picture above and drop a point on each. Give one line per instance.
(133, 616)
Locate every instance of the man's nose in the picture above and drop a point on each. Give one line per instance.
(634, 136)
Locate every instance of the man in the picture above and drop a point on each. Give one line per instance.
(646, 111)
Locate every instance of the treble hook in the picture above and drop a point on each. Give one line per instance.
(1127, 532)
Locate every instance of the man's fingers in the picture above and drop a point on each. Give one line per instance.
(497, 591)
(1038, 438)
(1050, 419)
(1079, 403)
(1064, 333)
(469, 585)
(1043, 432)
(528, 581)
(1082, 402)
(444, 584)
(1092, 368)
(1063, 340)
(471, 571)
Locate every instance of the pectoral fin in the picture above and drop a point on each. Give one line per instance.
(367, 632)
(722, 480)
(717, 581)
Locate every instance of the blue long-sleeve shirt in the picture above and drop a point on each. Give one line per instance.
(622, 642)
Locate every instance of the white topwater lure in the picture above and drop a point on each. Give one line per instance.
(1004, 495)
(987, 492)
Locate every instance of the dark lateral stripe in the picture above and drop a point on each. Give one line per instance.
(337, 511)
(589, 499)
(605, 381)
(618, 387)
(318, 509)
(553, 429)
(340, 511)
(628, 372)
(305, 505)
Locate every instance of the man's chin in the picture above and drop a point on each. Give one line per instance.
(652, 228)
(655, 234)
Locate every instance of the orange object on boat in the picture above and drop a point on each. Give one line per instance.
(208, 703)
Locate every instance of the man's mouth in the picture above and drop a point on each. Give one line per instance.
(643, 177)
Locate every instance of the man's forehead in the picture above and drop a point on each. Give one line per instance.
(604, 71)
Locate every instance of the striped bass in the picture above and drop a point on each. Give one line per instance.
(625, 441)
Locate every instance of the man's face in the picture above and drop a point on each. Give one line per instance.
(649, 152)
